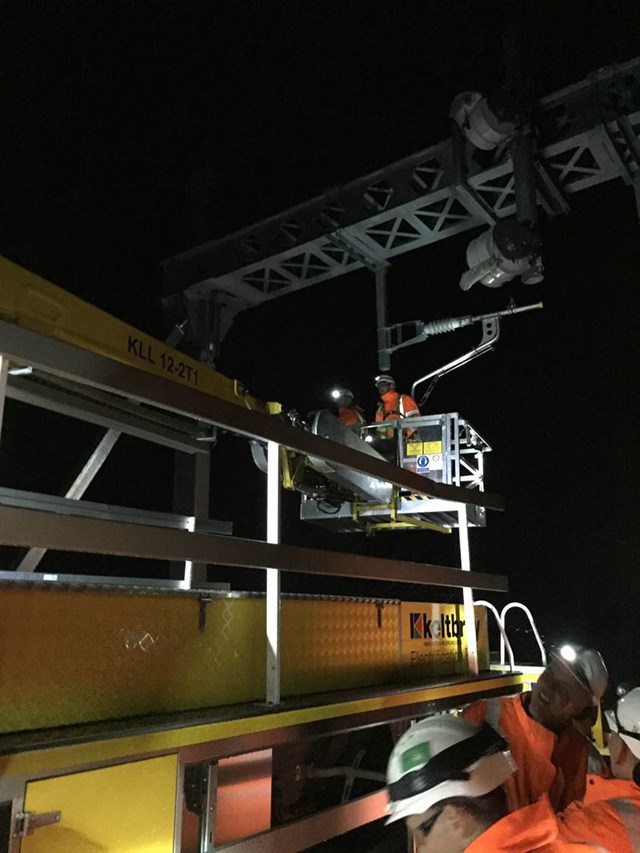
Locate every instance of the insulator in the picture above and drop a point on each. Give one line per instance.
(448, 324)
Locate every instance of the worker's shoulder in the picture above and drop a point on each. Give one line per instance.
(493, 710)
(600, 788)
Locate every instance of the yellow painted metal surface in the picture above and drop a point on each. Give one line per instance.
(58, 758)
(530, 673)
(86, 655)
(434, 639)
(128, 808)
(38, 305)
(329, 645)
(98, 655)
(83, 656)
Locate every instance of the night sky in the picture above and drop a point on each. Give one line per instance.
(134, 131)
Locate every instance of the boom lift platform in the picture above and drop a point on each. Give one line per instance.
(145, 707)
(445, 448)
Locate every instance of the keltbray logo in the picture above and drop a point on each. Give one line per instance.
(425, 628)
(417, 625)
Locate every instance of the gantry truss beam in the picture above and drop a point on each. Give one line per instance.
(587, 134)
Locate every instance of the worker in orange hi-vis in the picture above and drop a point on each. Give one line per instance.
(348, 410)
(550, 753)
(393, 405)
(610, 811)
(446, 779)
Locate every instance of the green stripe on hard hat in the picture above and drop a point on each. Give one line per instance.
(464, 760)
(415, 756)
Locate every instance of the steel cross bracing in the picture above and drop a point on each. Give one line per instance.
(587, 134)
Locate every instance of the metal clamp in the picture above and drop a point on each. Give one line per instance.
(27, 822)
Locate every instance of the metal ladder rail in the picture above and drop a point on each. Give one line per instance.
(504, 640)
(536, 634)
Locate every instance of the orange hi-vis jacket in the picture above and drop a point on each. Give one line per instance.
(609, 814)
(532, 829)
(546, 763)
(351, 415)
(393, 406)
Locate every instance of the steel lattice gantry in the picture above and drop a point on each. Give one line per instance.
(587, 134)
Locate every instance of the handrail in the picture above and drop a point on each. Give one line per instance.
(31, 526)
(529, 615)
(504, 640)
(61, 359)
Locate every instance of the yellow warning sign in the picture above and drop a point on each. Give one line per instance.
(418, 448)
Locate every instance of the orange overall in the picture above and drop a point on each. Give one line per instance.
(609, 814)
(351, 415)
(547, 763)
(532, 829)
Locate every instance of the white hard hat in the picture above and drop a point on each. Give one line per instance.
(625, 720)
(588, 667)
(384, 377)
(443, 757)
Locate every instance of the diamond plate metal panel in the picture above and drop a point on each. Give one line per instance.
(330, 645)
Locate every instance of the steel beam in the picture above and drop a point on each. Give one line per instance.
(94, 463)
(411, 203)
(384, 356)
(314, 829)
(34, 528)
(467, 591)
(114, 414)
(273, 576)
(108, 512)
(60, 359)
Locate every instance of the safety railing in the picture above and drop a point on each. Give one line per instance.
(40, 526)
(516, 604)
(504, 640)
(444, 447)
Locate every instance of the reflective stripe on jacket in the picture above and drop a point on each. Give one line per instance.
(547, 764)
(393, 406)
(614, 821)
(532, 829)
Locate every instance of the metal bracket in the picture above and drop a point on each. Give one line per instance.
(27, 822)
(202, 612)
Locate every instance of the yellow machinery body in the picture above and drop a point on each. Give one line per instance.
(85, 655)
(120, 689)
(36, 304)
(111, 696)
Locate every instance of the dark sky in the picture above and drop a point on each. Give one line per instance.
(133, 131)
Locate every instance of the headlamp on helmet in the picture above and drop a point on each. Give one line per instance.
(587, 666)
